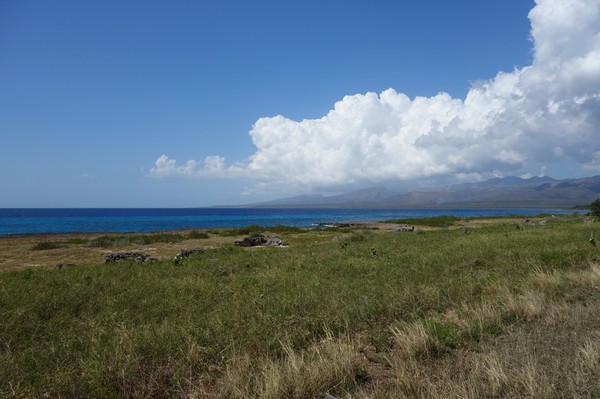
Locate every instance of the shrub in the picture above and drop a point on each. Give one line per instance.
(195, 234)
(43, 245)
(110, 241)
(595, 208)
(77, 241)
(435, 221)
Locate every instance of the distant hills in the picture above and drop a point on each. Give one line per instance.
(507, 192)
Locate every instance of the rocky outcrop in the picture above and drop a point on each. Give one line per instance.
(128, 256)
(260, 241)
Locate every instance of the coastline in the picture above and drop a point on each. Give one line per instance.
(25, 221)
(17, 251)
(485, 286)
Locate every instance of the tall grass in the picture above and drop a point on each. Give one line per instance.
(437, 314)
(46, 245)
(108, 241)
(330, 366)
(434, 221)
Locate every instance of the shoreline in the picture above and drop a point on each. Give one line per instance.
(319, 225)
(141, 221)
(19, 251)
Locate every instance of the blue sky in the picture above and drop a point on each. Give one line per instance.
(197, 103)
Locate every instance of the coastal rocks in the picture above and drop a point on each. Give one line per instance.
(128, 256)
(260, 241)
(405, 228)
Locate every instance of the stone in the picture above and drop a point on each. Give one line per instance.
(260, 241)
(185, 253)
(405, 227)
(128, 256)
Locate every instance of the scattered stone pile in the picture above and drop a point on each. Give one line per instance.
(185, 253)
(128, 256)
(260, 241)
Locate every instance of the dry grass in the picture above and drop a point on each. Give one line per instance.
(528, 305)
(413, 342)
(497, 312)
(332, 366)
(550, 349)
(18, 251)
(589, 278)
(590, 354)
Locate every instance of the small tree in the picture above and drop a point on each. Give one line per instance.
(595, 208)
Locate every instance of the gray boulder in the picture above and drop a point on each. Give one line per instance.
(119, 257)
(260, 241)
(405, 227)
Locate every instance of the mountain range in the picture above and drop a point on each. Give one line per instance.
(506, 192)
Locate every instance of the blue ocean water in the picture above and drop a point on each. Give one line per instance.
(25, 221)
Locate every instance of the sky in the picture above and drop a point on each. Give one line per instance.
(199, 103)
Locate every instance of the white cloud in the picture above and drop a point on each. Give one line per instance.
(211, 167)
(515, 123)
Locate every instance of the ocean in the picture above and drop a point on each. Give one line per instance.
(62, 220)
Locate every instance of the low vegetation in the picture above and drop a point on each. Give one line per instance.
(256, 229)
(595, 208)
(45, 245)
(500, 310)
(434, 221)
(108, 241)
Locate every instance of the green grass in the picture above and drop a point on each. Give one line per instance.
(166, 330)
(435, 221)
(257, 229)
(108, 241)
(45, 245)
(448, 221)
(142, 239)
(195, 235)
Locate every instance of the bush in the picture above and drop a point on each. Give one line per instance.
(44, 245)
(595, 208)
(434, 221)
(116, 240)
(195, 234)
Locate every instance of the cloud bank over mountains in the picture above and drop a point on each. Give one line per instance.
(514, 124)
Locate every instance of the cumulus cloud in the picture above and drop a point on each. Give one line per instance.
(515, 123)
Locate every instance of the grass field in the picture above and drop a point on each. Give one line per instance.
(476, 309)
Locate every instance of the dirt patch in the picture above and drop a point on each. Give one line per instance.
(17, 251)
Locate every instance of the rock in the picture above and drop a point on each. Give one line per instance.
(63, 265)
(405, 227)
(185, 253)
(260, 241)
(128, 256)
